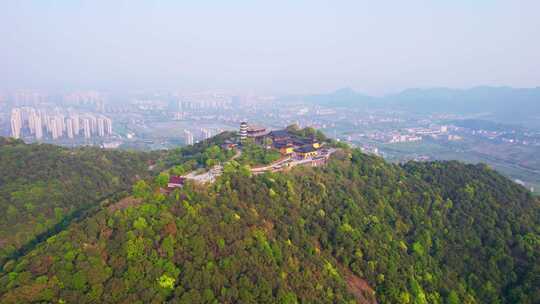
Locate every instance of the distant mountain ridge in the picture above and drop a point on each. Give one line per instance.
(343, 97)
(500, 101)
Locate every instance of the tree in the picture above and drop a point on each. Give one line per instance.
(178, 170)
(141, 189)
(453, 298)
(162, 179)
(140, 223)
(166, 281)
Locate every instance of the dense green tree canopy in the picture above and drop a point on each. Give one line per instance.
(356, 230)
(42, 186)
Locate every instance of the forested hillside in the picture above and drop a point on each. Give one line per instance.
(42, 186)
(357, 231)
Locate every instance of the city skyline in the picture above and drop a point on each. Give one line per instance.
(469, 125)
(38, 123)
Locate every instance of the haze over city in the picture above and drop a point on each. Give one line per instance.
(268, 47)
(279, 151)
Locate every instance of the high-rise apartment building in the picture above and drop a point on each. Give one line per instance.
(188, 137)
(57, 127)
(86, 128)
(38, 126)
(76, 124)
(206, 134)
(69, 128)
(108, 126)
(93, 124)
(100, 127)
(16, 123)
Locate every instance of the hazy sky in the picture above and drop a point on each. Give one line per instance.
(273, 46)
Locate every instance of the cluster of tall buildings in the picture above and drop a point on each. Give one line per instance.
(206, 133)
(93, 98)
(192, 136)
(199, 101)
(28, 97)
(39, 124)
(202, 104)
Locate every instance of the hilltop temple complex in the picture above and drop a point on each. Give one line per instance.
(287, 143)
